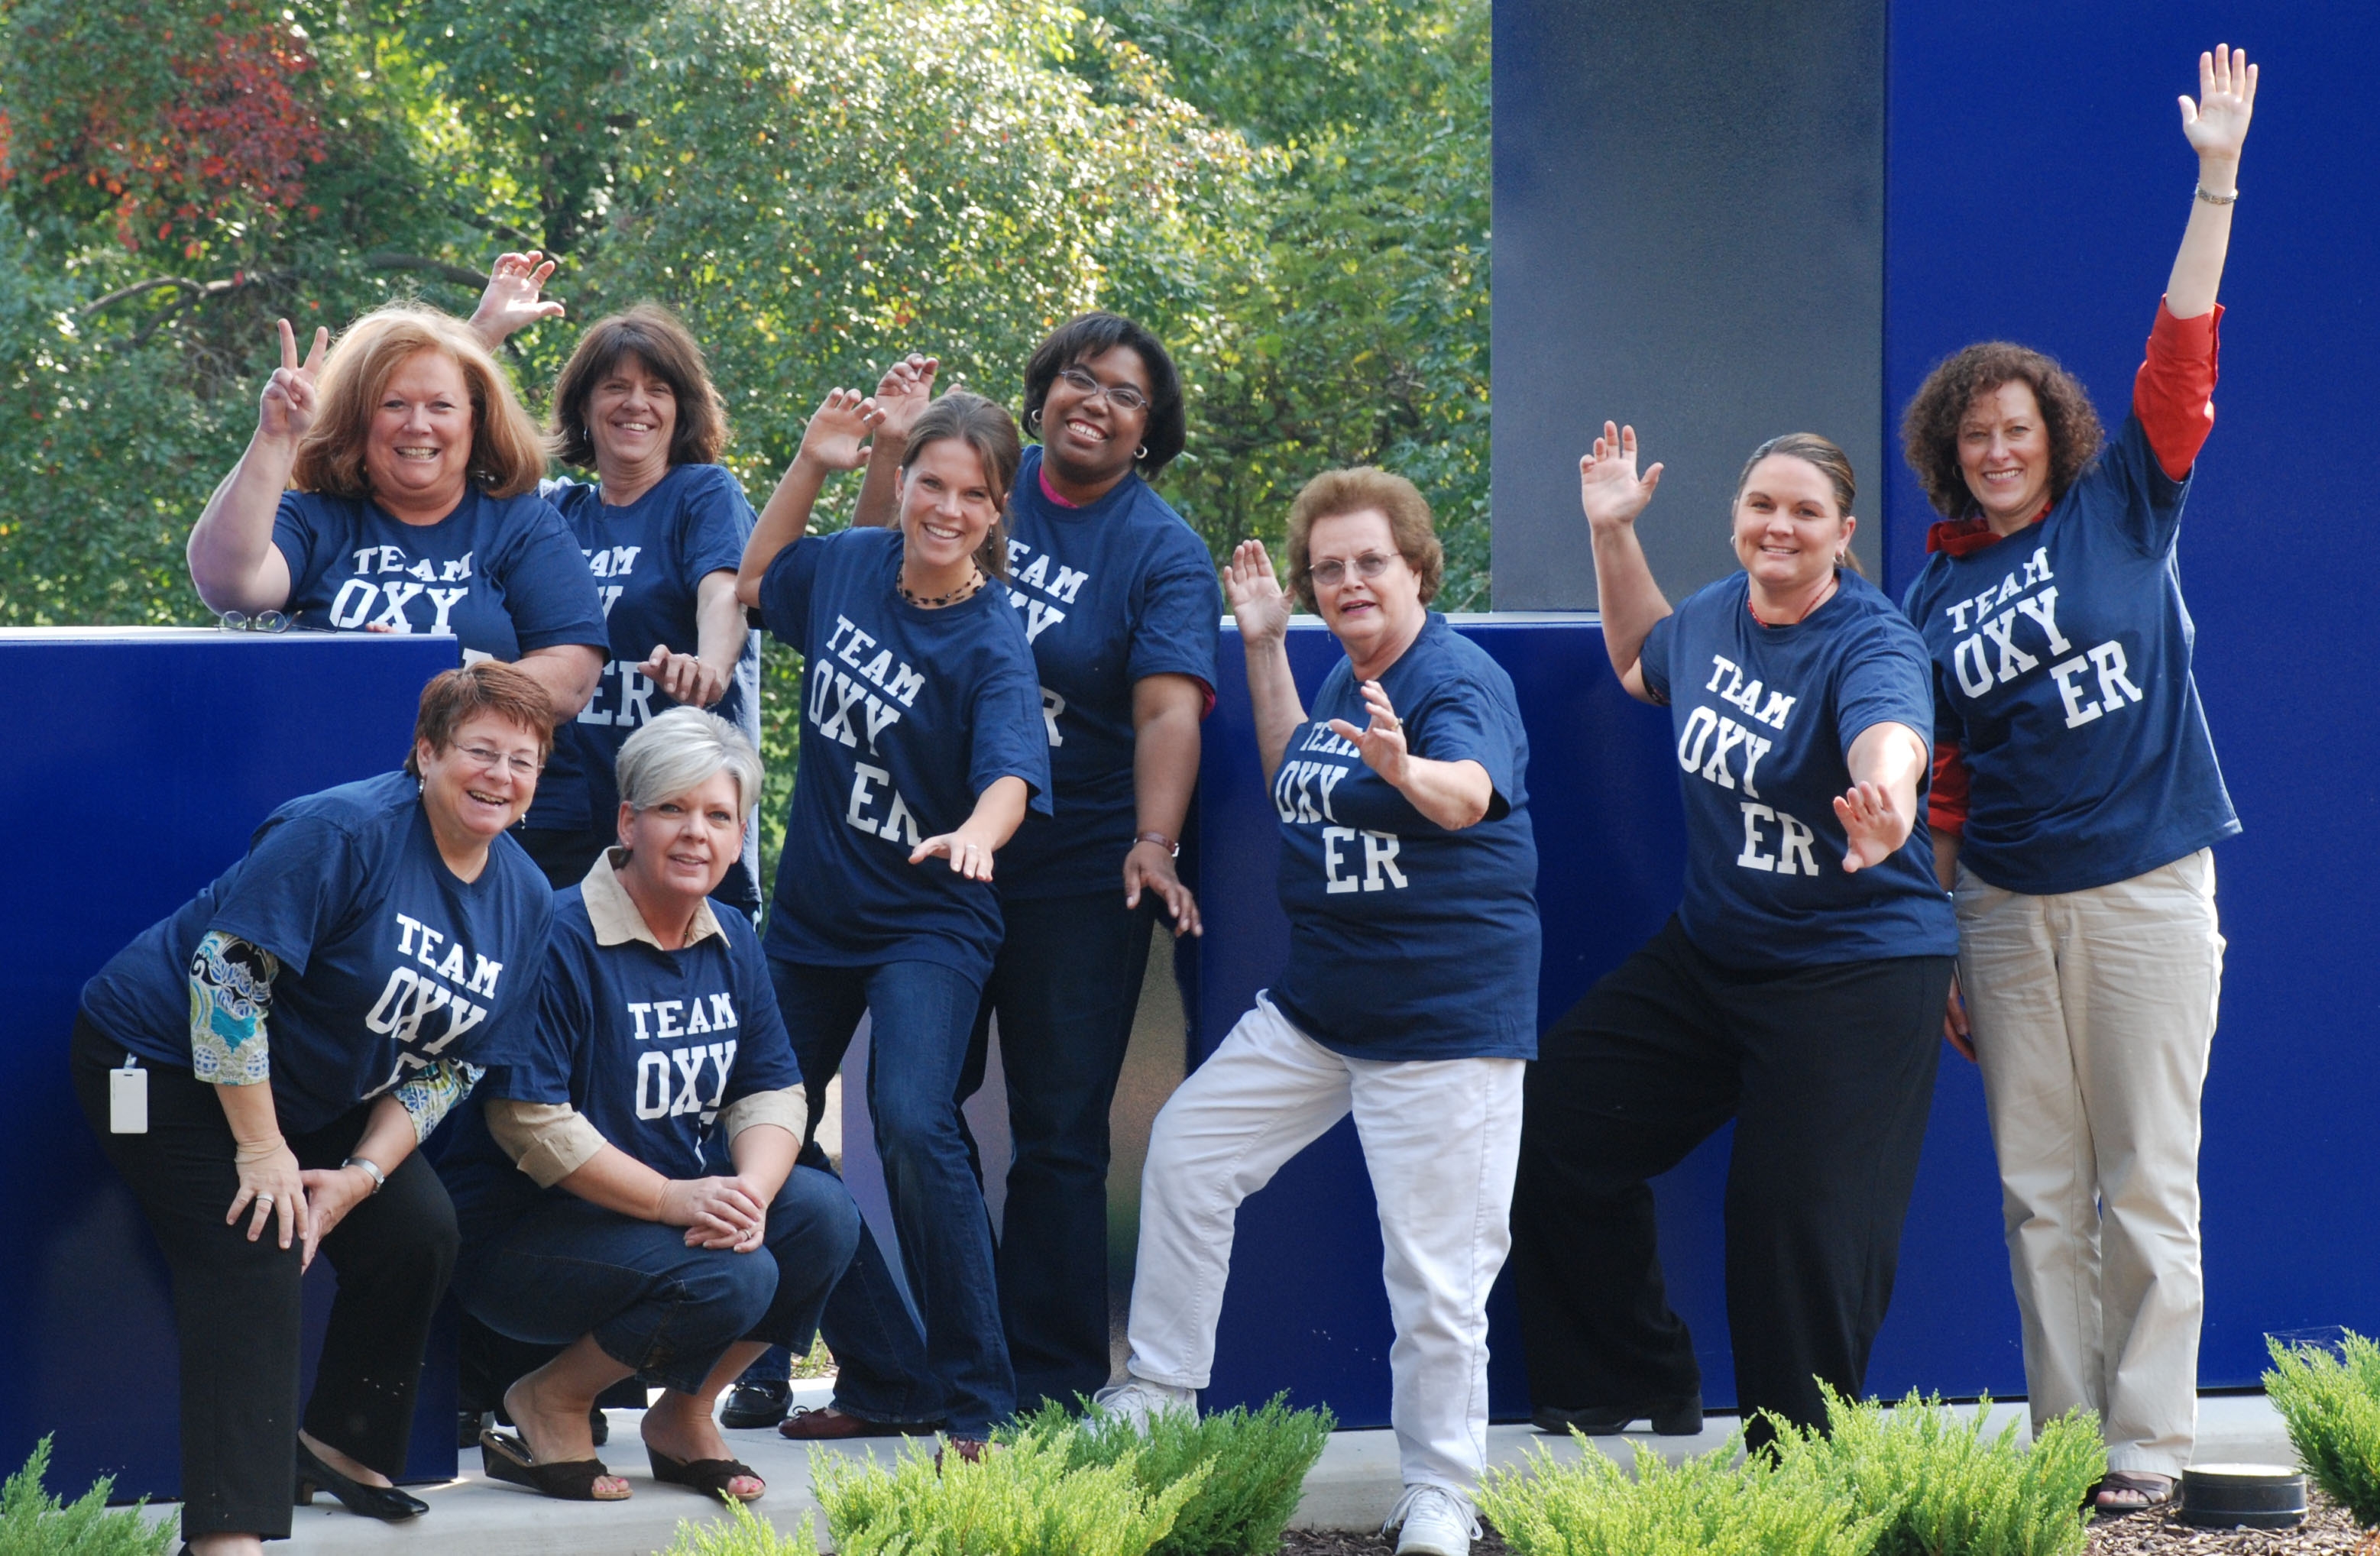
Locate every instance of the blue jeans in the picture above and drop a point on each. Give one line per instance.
(568, 1268)
(1066, 986)
(922, 1013)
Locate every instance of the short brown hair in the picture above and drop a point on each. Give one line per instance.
(507, 457)
(1352, 491)
(1822, 454)
(1929, 428)
(655, 336)
(990, 431)
(455, 697)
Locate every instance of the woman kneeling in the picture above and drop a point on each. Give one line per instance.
(656, 1024)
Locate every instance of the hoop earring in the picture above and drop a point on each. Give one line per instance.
(1141, 452)
(1033, 417)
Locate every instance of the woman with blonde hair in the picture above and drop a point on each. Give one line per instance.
(392, 486)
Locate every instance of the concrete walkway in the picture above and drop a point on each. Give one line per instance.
(1352, 1487)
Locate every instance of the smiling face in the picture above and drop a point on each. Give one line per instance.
(948, 505)
(680, 849)
(483, 780)
(2004, 452)
(1363, 612)
(417, 452)
(1789, 527)
(1085, 432)
(631, 417)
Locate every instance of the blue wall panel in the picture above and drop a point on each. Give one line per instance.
(143, 760)
(2041, 203)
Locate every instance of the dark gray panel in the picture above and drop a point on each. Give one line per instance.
(1688, 234)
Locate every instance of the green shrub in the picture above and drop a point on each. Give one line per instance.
(744, 1534)
(1704, 1507)
(1026, 1498)
(1255, 1462)
(33, 1522)
(2332, 1407)
(1940, 1486)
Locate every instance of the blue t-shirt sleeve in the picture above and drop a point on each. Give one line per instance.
(539, 1062)
(1886, 678)
(764, 1055)
(301, 877)
(1468, 721)
(713, 526)
(2146, 502)
(1011, 739)
(297, 534)
(786, 591)
(548, 591)
(1653, 659)
(1179, 619)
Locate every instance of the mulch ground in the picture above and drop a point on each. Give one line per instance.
(2327, 1531)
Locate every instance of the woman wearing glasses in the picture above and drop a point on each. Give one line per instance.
(1797, 990)
(295, 1031)
(1409, 872)
(393, 489)
(1117, 596)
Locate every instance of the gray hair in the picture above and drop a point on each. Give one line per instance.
(681, 749)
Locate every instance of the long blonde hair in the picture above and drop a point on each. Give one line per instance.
(507, 457)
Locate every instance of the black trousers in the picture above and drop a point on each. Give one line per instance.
(1828, 1074)
(238, 1306)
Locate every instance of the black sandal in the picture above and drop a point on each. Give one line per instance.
(708, 1476)
(506, 1457)
(2153, 1490)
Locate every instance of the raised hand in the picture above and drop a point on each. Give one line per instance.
(1873, 828)
(1608, 488)
(1382, 741)
(1254, 593)
(511, 300)
(2217, 123)
(837, 436)
(904, 392)
(286, 409)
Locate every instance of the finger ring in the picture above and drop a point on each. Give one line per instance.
(264, 1201)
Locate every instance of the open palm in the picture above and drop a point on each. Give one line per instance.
(1608, 488)
(2217, 123)
(837, 434)
(1255, 592)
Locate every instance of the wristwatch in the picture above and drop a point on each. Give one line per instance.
(1161, 840)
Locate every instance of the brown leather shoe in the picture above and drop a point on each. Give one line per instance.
(828, 1424)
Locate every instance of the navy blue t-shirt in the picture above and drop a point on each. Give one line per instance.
(1407, 941)
(1765, 719)
(646, 1044)
(908, 715)
(2061, 668)
(1110, 592)
(389, 963)
(649, 558)
(502, 575)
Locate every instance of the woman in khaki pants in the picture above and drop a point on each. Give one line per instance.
(2075, 797)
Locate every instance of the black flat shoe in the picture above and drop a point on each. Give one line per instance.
(756, 1404)
(383, 1503)
(1668, 1418)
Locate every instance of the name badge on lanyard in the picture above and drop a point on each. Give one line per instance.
(127, 1099)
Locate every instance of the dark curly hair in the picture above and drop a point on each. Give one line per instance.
(1095, 334)
(1929, 428)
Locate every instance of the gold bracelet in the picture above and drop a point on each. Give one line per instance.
(2218, 199)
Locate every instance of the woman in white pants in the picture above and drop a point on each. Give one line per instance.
(1408, 872)
(2074, 799)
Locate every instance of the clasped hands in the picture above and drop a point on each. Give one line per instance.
(717, 1213)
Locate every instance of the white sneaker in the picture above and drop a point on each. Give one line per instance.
(1138, 1401)
(1435, 1521)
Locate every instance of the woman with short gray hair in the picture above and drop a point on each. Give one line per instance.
(656, 1027)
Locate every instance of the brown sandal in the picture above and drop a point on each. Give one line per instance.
(506, 1457)
(710, 1477)
(2153, 1489)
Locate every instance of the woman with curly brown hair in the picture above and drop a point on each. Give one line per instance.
(2075, 798)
